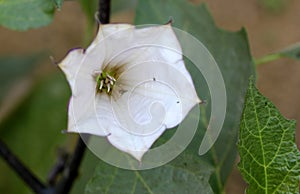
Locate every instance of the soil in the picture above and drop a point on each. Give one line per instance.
(267, 31)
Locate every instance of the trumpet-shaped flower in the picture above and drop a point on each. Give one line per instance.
(129, 85)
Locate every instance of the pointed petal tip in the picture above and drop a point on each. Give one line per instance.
(84, 129)
(71, 55)
(138, 155)
(202, 102)
(199, 101)
(170, 21)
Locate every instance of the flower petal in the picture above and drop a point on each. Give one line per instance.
(82, 110)
(157, 82)
(80, 68)
(135, 145)
(125, 44)
(71, 64)
(135, 142)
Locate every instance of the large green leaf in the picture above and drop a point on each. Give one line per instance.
(33, 132)
(23, 14)
(86, 172)
(186, 175)
(231, 51)
(270, 160)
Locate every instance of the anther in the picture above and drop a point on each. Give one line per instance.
(105, 82)
(111, 77)
(108, 88)
(101, 85)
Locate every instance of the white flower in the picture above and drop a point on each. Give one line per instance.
(129, 85)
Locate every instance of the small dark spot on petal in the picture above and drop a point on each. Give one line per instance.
(154, 79)
(177, 102)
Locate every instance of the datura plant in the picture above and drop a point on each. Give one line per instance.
(129, 86)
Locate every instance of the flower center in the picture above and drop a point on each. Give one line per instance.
(105, 82)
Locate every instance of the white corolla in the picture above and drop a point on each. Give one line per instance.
(129, 86)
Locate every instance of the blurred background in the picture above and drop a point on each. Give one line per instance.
(29, 106)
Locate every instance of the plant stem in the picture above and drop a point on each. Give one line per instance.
(267, 58)
(71, 172)
(104, 11)
(25, 174)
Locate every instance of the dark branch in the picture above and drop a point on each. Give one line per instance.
(27, 176)
(104, 11)
(71, 172)
(59, 167)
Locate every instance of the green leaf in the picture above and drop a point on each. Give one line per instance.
(231, 51)
(24, 14)
(33, 132)
(86, 171)
(270, 160)
(187, 175)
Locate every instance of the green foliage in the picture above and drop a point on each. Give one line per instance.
(86, 171)
(270, 160)
(269, 156)
(186, 175)
(33, 132)
(23, 14)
